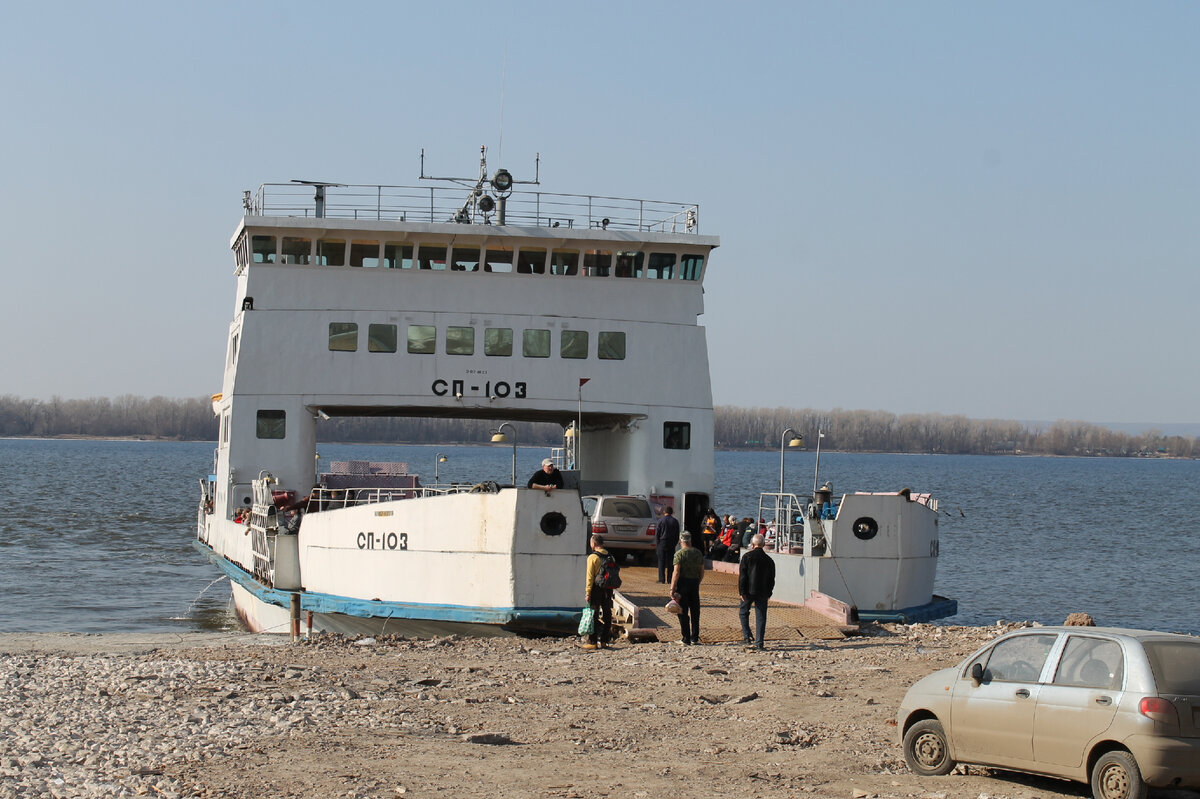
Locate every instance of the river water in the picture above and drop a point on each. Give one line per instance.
(95, 536)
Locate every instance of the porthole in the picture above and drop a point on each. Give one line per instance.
(554, 523)
(865, 528)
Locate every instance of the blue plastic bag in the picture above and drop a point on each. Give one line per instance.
(587, 621)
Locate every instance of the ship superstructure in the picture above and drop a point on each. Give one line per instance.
(483, 301)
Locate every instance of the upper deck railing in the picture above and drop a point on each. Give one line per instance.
(459, 204)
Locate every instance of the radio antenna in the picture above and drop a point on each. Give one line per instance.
(503, 80)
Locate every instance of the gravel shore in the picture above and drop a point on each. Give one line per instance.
(234, 715)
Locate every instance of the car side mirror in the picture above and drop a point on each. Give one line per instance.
(977, 673)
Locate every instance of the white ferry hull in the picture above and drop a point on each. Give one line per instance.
(878, 555)
(402, 566)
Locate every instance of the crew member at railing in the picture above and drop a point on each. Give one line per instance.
(546, 478)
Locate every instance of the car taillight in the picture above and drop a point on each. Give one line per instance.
(651, 529)
(599, 528)
(1158, 709)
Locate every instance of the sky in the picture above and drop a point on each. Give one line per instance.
(984, 208)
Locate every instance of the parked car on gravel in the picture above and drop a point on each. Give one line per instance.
(627, 523)
(1117, 708)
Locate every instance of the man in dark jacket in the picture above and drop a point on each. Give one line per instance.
(756, 583)
(546, 478)
(666, 538)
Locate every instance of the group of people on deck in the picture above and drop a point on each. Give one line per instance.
(682, 560)
(726, 539)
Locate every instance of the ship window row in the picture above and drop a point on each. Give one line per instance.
(435, 256)
(273, 424)
(461, 340)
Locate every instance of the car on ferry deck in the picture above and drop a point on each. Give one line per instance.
(1118, 708)
(626, 522)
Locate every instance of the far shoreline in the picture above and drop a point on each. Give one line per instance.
(171, 440)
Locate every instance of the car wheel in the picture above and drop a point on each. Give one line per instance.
(1116, 776)
(926, 750)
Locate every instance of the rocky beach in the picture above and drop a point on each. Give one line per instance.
(231, 715)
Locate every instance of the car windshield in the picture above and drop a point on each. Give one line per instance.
(625, 506)
(1176, 666)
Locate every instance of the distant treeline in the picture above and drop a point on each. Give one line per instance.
(735, 428)
(880, 431)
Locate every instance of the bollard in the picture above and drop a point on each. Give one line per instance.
(295, 613)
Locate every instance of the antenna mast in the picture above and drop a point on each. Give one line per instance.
(503, 81)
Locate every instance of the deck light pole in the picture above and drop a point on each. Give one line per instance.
(498, 437)
(796, 441)
(817, 468)
(440, 458)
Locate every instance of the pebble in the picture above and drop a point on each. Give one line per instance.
(120, 725)
(110, 734)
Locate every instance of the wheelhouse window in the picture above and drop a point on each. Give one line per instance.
(364, 253)
(381, 338)
(431, 256)
(296, 251)
(535, 343)
(629, 263)
(662, 266)
(331, 252)
(574, 344)
(531, 261)
(343, 336)
(597, 263)
(610, 346)
(271, 424)
(691, 267)
(241, 253)
(564, 262)
(422, 339)
(263, 248)
(497, 341)
(460, 340)
(498, 260)
(677, 435)
(398, 256)
(465, 259)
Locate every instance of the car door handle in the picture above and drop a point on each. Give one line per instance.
(1023, 693)
(1104, 700)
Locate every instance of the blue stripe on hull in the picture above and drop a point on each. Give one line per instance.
(524, 618)
(939, 608)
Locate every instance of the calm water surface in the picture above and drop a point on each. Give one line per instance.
(95, 536)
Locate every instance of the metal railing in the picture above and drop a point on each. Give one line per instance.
(264, 521)
(321, 499)
(784, 513)
(445, 204)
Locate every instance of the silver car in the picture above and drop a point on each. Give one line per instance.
(1118, 708)
(627, 523)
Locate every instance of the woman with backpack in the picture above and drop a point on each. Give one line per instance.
(600, 599)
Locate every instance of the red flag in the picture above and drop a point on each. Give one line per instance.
(583, 380)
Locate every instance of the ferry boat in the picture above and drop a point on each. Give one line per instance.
(481, 298)
(486, 298)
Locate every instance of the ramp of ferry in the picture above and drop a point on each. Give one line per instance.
(640, 608)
